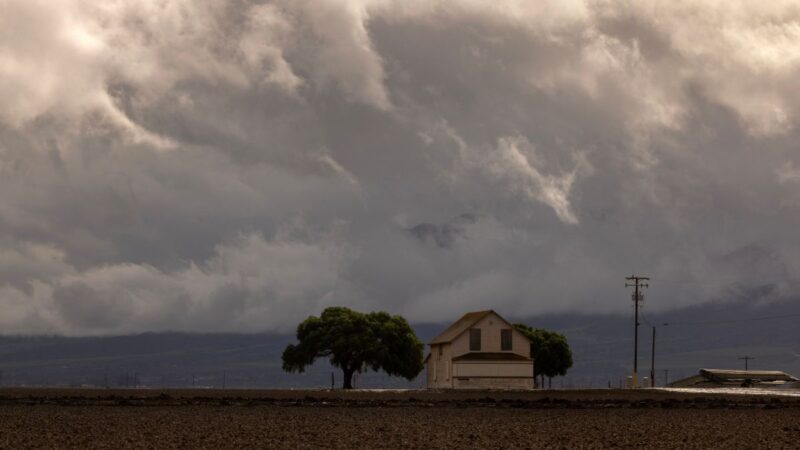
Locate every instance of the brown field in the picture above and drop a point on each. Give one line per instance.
(77, 418)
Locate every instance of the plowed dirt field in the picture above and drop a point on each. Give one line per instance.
(60, 418)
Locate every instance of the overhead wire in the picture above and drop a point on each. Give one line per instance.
(752, 319)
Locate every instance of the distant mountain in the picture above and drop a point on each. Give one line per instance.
(150, 359)
(711, 335)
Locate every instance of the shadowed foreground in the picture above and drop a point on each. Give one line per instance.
(316, 419)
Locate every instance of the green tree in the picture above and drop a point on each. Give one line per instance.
(354, 342)
(550, 351)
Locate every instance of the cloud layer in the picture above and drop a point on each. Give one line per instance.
(227, 166)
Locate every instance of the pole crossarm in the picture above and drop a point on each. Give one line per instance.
(746, 359)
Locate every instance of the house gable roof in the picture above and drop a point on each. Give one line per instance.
(453, 331)
(463, 324)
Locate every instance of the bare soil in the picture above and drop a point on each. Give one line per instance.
(77, 418)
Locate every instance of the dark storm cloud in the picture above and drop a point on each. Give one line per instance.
(444, 235)
(205, 165)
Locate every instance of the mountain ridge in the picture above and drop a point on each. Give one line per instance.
(708, 335)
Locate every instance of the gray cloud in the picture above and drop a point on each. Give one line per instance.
(204, 165)
(445, 235)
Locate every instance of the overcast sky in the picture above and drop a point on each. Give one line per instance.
(204, 165)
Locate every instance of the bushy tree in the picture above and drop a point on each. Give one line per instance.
(354, 342)
(551, 353)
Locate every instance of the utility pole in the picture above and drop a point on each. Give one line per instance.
(653, 357)
(653, 360)
(533, 368)
(746, 359)
(637, 297)
(666, 377)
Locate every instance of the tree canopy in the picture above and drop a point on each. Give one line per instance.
(354, 342)
(551, 353)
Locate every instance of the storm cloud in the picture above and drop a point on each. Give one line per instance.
(203, 165)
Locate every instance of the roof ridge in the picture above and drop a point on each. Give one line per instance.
(460, 325)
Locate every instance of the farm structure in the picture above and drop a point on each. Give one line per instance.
(481, 350)
(737, 378)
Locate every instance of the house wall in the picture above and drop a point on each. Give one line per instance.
(444, 373)
(492, 369)
(493, 383)
(490, 338)
(493, 374)
(440, 367)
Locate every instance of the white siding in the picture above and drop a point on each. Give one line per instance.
(439, 367)
(444, 373)
(492, 369)
(493, 383)
(490, 327)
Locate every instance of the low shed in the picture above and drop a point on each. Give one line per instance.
(734, 378)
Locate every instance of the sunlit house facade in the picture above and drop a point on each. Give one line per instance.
(480, 351)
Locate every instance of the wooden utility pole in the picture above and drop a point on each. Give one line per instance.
(533, 368)
(746, 359)
(653, 360)
(637, 297)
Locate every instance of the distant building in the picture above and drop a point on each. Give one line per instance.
(709, 378)
(480, 351)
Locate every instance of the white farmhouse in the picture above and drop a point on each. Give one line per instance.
(480, 351)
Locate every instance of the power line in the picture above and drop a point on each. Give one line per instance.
(595, 343)
(644, 318)
(753, 319)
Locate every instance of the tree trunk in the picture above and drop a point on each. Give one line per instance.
(348, 378)
(549, 382)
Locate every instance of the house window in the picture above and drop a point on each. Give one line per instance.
(505, 340)
(475, 339)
